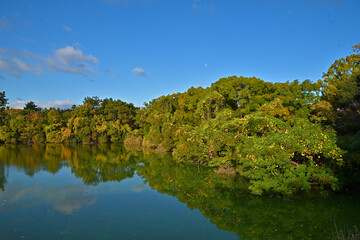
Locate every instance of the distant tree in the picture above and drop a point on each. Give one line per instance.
(3, 100)
(92, 101)
(31, 106)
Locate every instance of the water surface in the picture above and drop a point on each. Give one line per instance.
(106, 192)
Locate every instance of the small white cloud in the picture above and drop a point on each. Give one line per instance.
(139, 71)
(205, 65)
(62, 104)
(16, 67)
(67, 59)
(18, 104)
(71, 60)
(66, 28)
(69, 55)
(26, 67)
(28, 54)
(79, 68)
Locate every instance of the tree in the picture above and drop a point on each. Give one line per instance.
(30, 107)
(341, 88)
(341, 81)
(92, 101)
(3, 100)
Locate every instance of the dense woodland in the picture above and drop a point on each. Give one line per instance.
(282, 137)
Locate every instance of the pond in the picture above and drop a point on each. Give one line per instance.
(106, 192)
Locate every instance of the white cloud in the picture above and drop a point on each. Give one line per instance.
(62, 104)
(18, 104)
(69, 55)
(9, 51)
(139, 71)
(11, 64)
(26, 67)
(71, 60)
(79, 68)
(68, 59)
(9, 67)
(66, 28)
(16, 67)
(67, 199)
(205, 65)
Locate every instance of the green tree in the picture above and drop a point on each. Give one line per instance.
(341, 88)
(31, 107)
(92, 101)
(341, 81)
(3, 100)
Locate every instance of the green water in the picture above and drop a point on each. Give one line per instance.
(106, 192)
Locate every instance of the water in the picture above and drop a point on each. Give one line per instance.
(106, 192)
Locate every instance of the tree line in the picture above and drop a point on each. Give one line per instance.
(283, 137)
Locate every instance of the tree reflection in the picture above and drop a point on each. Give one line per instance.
(102, 163)
(224, 199)
(32, 159)
(2, 176)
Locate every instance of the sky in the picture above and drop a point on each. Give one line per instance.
(56, 53)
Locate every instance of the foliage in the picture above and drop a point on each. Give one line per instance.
(3, 100)
(341, 86)
(342, 90)
(280, 136)
(96, 120)
(271, 153)
(30, 107)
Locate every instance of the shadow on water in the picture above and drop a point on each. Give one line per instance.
(223, 199)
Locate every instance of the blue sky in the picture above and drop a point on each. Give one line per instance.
(58, 52)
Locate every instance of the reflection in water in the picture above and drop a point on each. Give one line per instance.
(136, 188)
(2, 175)
(224, 200)
(64, 199)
